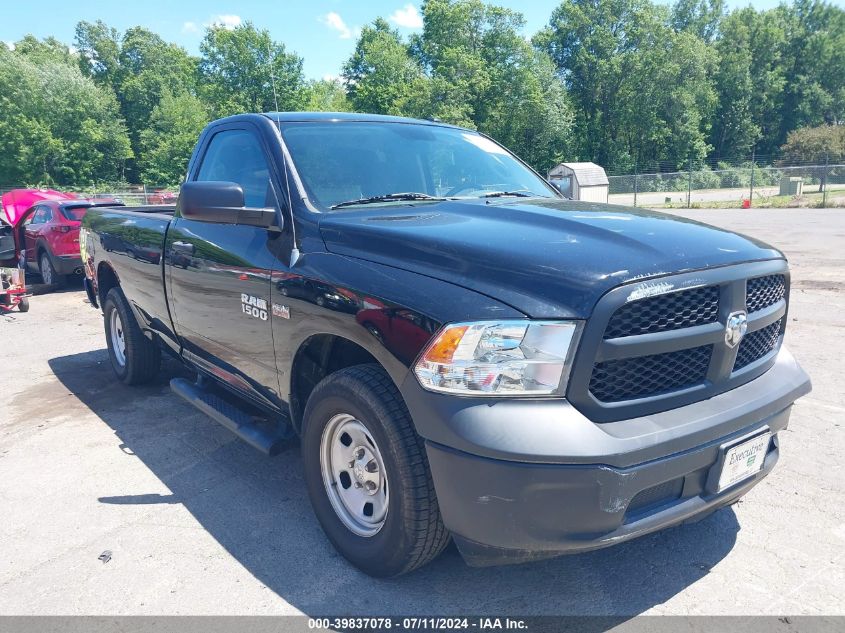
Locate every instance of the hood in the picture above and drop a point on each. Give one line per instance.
(16, 202)
(545, 258)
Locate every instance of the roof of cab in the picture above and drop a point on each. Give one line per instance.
(299, 117)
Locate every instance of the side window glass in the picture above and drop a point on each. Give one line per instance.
(236, 156)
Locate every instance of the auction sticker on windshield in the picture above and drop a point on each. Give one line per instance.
(744, 460)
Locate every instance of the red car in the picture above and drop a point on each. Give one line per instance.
(162, 197)
(50, 232)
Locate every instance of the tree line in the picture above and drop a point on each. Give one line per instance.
(624, 83)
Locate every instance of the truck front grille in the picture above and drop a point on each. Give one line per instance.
(665, 312)
(757, 344)
(643, 354)
(765, 291)
(642, 376)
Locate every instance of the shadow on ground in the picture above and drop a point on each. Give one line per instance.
(258, 510)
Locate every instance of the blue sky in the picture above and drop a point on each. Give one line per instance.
(322, 31)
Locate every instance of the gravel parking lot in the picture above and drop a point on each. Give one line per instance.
(197, 522)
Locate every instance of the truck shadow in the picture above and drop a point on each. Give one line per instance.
(258, 510)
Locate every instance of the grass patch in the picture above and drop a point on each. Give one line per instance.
(835, 199)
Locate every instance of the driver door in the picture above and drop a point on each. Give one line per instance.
(220, 289)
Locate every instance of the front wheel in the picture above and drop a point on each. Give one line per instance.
(367, 474)
(134, 358)
(23, 304)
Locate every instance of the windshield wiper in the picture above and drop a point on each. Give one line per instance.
(389, 197)
(522, 193)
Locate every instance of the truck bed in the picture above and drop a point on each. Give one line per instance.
(130, 241)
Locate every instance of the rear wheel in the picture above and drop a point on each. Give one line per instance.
(367, 474)
(23, 305)
(48, 273)
(134, 358)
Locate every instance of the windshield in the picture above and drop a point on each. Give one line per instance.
(358, 161)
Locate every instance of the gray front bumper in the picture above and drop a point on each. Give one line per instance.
(524, 479)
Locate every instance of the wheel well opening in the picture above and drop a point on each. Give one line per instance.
(106, 280)
(319, 356)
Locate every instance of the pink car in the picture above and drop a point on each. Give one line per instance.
(45, 226)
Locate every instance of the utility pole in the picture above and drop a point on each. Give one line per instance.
(753, 161)
(689, 184)
(636, 173)
(824, 179)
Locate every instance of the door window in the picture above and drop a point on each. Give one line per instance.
(236, 156)
(41, 215)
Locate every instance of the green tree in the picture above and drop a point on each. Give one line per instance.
(99, 52)
(56, 126)
(750, 82)
(327, 95)
(148, 69)
(814, 145)
(640, 90)
(486, 75)
(140, 68)
(815, 65)
(381, 77)
(47, 50)
(700, 17)
(240, 66)
(167, 142)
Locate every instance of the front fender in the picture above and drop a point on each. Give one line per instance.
(359, 296)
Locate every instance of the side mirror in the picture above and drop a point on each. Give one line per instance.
(221, 203)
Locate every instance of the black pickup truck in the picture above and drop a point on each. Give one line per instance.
(463, 353)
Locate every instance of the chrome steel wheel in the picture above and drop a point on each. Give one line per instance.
(118, 342)
(353, 475)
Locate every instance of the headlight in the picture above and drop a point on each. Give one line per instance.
(496, 358)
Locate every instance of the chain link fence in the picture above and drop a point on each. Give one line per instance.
(742, 184)
(757, 181)
(128, 194)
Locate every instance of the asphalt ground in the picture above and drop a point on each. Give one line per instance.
(197, 522)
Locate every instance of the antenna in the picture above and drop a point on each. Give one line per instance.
(272, 74)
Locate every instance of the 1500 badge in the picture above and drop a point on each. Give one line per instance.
(254, 306)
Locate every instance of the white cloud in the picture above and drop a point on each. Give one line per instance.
(226, 21)
(336, 23)
(221, 21)
(10, 45)
(407, 17)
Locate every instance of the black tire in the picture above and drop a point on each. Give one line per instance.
(23, 305)
(141, 356)
(48, 272)
(413, 533)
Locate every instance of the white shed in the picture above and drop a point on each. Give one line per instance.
(581, 181)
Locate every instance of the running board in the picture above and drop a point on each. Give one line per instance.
(236, 420)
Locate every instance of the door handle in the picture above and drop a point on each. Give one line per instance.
(183, 247)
